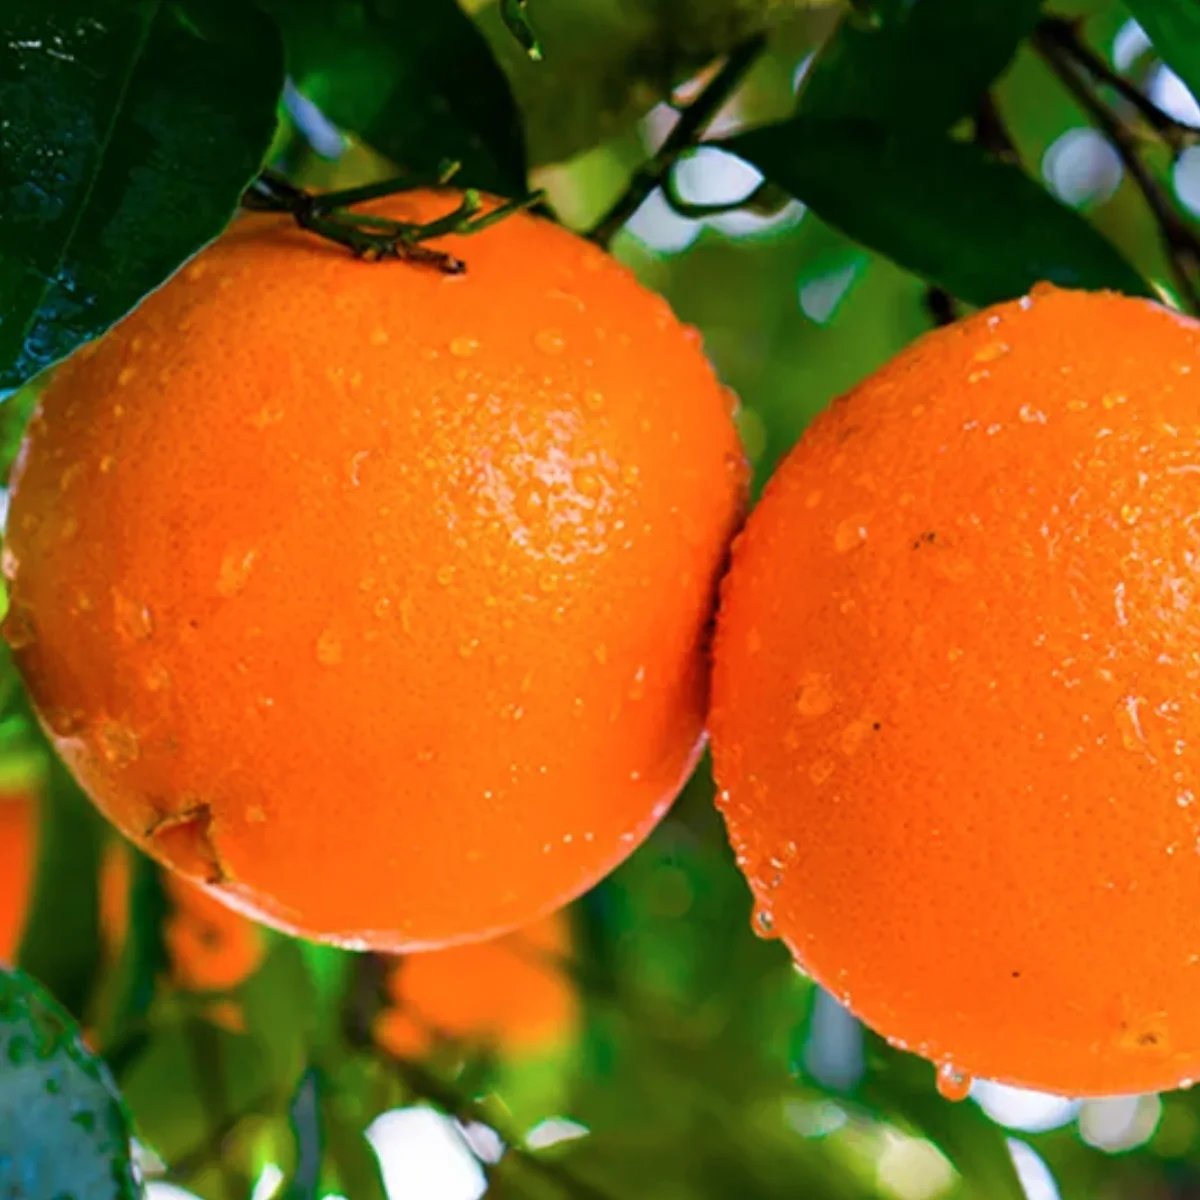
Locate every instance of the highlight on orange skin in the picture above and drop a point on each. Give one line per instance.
(375, 597)
(510, 994)
(956, 697)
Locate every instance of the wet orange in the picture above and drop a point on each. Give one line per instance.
(18, 833)
(956, 699)
(373, 596)
(511, 994)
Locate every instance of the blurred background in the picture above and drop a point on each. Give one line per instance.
(645, 1043)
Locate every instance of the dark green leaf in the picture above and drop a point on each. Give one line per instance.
(129, 132)
(63, 1129)
(884, 70)
(61, 941)
(1174, 28)
(421, 90)
(943, 209)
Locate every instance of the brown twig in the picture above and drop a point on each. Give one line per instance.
(1181, 244)
(1064, 35)
(687, 132)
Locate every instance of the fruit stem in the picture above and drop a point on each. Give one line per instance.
(1181, 245)
(687, 132)
(373, 237)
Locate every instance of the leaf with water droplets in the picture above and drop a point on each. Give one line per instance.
(63, 1128)
(128, 134)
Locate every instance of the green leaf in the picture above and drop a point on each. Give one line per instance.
(353, 1159)
(881, 70)
(516, 20)
(63, 1129)
(143, 956)
(61, 940)
(130, 130)
(943, 209)
(1174, 28)
(420, 90)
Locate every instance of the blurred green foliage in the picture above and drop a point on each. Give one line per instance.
(932, 160)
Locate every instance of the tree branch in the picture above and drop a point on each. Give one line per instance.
(1064, 35)
(688, 129)
(1181, 244)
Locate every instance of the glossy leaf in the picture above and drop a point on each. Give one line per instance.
(63, 1128)
(882, 69)
(943, 209)
(419, 89)
(1174, 28)
(129, 133)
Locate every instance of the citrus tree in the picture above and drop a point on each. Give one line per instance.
(426, 426)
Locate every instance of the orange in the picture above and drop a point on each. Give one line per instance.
(956, 697)
(376, 597)
(18, 836)
(510, 994)
(209, 946)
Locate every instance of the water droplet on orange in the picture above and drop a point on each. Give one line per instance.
(329, 649)
(234, 572)
(549, 341)
(991, 352)
(821, 770)
(816, 695)
(133, 618)
(763, 923)
(1128, 717)
(953, 1084)
(850, 534)
(119, 744)
(18, 628)
(463, 346)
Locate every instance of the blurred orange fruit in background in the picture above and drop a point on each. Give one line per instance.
(956, 702)
(511, 994)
